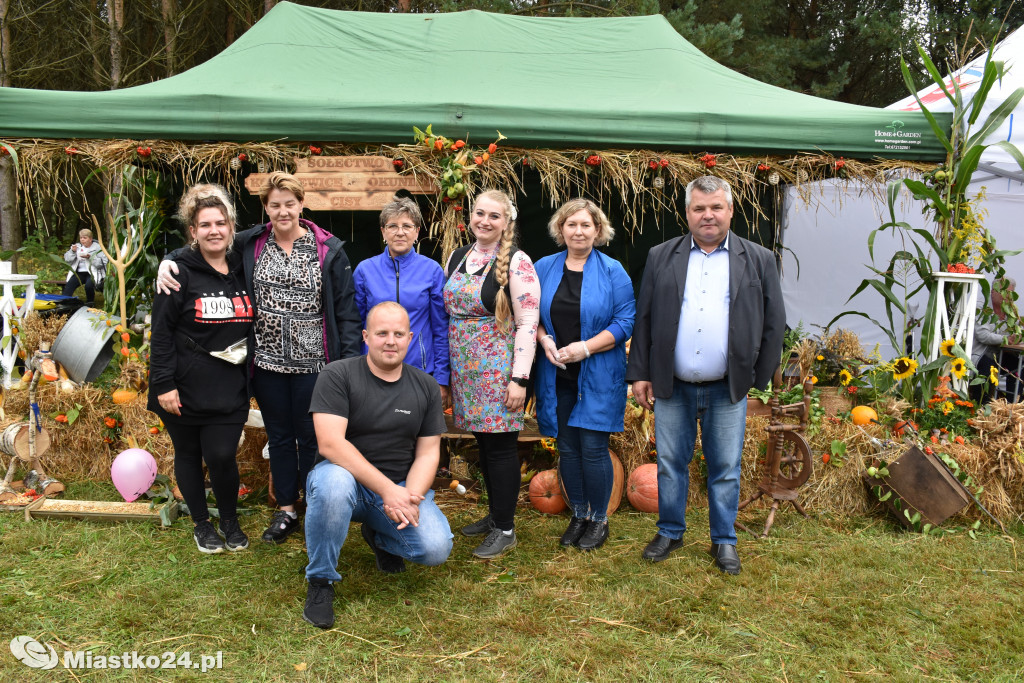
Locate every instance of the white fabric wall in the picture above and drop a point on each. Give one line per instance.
(825, 231)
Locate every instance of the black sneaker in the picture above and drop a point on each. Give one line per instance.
(319, 609)
(234, 537)
(281, 527)
(479, 527)
(573, 532)
(207, 539)
(386, 562)
(496, 543)
(594, 537)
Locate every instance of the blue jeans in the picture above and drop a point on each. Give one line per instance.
(722, 425)
(334, 499)
(284, 402)
(583, 460)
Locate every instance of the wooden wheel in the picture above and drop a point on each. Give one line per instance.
(795, 463)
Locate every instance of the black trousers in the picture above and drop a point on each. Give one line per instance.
(216, 445)
(284, 401)
(82, 278)
(499, 463)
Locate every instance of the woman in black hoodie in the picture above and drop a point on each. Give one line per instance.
(197, 368)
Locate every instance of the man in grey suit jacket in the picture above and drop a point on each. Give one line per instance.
(709, 326)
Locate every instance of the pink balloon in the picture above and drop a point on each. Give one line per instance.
(133, 472)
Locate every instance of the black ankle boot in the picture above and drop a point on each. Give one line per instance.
(574, 532)
(594, 537)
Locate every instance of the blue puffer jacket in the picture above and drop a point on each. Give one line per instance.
(606, 303)
(416, 282)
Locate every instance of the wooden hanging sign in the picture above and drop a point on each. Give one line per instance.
(348, 183)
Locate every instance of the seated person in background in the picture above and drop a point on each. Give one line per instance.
(378, 425)
(988, 337)
(88, 264)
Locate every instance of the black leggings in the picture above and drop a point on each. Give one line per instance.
(499, 463)
(217, 446)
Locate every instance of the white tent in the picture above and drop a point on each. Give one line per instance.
(826, 225)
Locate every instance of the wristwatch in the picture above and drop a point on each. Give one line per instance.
(521, 381)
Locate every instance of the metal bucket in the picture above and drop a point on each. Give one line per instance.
(84, 344)
(14, 441)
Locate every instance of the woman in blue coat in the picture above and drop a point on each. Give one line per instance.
(586, 311)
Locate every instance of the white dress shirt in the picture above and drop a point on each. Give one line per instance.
(702, 340)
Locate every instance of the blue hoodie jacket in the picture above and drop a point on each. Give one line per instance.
(606, 303)
(416, 282)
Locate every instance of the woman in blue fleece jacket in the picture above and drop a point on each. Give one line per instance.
(415, 281)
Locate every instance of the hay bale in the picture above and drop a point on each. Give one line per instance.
(635, 442)
(78, 451)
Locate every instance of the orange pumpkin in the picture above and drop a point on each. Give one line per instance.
(545, 494)
(124, 396)
(618, 482)
(862, 415)
(642, 489)
(902, 427)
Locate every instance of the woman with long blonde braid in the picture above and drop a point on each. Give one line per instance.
(492, 298)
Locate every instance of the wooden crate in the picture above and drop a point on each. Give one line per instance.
(109, 511)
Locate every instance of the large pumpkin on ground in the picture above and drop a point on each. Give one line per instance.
(642, 489)
(618, 483)
(545, 494)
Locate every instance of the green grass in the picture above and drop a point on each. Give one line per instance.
(821, 599)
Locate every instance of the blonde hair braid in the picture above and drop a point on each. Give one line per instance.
(502, 306)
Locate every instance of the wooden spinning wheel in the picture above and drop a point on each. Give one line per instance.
(788, 459)
(794, 459)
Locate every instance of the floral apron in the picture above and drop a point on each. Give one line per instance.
(481, 356)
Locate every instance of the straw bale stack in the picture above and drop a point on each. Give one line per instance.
(78, 452)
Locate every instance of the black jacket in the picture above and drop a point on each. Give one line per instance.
(757, 316)
(212, 311)
(342, 324)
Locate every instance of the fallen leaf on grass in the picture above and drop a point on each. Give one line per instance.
(301, 666)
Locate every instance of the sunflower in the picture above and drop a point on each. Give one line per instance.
(958, 366)
(903, 367)
(947, 347)
(845, 377)
(993, 375)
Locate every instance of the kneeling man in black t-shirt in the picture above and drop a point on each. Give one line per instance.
(378, 425)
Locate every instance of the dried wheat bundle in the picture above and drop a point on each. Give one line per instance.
(638, 180)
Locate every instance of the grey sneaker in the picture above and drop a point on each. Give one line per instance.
(479, 527)
(495, 544)
(207, 539)
(234, 537)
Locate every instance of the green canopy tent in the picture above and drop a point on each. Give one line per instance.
(304, 73)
